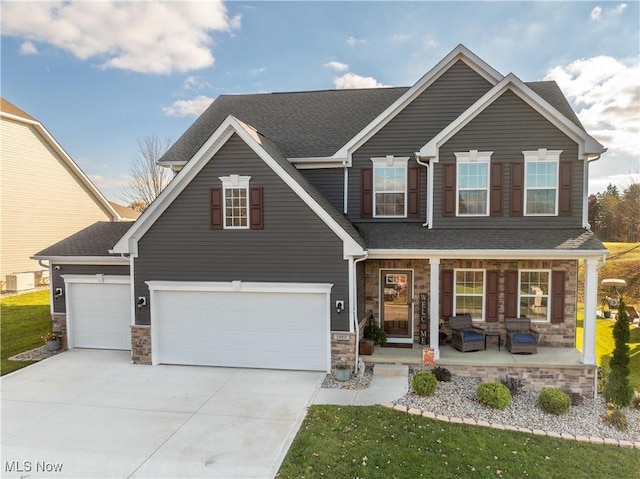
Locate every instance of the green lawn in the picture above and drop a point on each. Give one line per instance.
(24, 319)
(375, 442)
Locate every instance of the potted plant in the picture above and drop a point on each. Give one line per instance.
(52, 341)
(372, 334)
(343, 371)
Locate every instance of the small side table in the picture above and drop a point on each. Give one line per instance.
(492, 334)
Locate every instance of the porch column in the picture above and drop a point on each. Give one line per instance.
(590, 304)
(434, 309)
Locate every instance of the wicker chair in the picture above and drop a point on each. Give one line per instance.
(466, 337)
(521, 338)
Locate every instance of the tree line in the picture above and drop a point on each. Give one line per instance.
(615, 216)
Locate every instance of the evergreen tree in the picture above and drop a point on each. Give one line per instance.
(617, 389)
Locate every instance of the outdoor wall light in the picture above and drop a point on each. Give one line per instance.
(57, 267)
(339, 306)
(57, 293)
(142, 301)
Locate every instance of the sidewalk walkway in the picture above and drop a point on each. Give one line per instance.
(383, 389)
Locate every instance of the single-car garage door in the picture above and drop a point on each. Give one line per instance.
(98, 312)
(254, 325)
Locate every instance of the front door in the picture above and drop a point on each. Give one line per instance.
(396, 300)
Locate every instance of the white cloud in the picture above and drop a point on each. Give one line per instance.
(606, 96)
(353, 41)
(28, 48)
(257, 71)
(145, 37)
(194, 83)
(106, 182)
(193, 107)
(351, 80)
(400, 38)
(337, 66)
(599, 14)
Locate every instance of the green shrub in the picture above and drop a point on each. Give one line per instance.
(554, 401)
(494, 395)
(442, 374)
(617, 389)
(424, 383)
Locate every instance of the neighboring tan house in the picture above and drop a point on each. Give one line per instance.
(45, 196)
(297, 217)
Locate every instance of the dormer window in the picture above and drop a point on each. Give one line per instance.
(390, 187)
(472, 197)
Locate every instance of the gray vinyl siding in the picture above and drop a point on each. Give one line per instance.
(59, 304)
(441, 103)
(295, 245)
(360, 285)
(329, 182)
(508, 127)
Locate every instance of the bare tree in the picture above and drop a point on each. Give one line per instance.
(146, 178)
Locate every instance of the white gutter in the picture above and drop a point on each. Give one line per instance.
(345, 200)
(585, 190)
(354, 301)
(429, 183)
(483, 254)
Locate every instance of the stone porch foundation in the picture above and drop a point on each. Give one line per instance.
(141, 344)
(343, 348)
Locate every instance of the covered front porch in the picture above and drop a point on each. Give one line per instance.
(550, 366)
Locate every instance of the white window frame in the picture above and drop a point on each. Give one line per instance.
(541, 155)
(548, 295)
(391, 161)
(476, 157)
(483, 295)
(234, 182)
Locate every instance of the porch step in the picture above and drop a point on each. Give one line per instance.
(391, 370)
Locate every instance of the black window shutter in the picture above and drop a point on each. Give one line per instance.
(413, 192)
(255, 208)
(366, 193)
(517, 189)
(491, 313)
(216, 209)
(557, 296)
(449, 191)
(495, 190)
(511, 294)
(446, 294)
(566, 187)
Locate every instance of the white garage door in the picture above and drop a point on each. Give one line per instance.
(254, 329)
(99, 315)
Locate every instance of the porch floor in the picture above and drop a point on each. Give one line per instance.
(546, 356)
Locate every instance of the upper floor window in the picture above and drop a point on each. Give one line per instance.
(472, 197)
(469, 290)
(235, 199)
(541, 182)
(390, 187)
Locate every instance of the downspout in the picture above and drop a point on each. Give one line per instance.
(585, 189)
(48, 268)
(354, 304)
(426, 166)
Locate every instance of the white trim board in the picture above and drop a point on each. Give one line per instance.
(240, 286)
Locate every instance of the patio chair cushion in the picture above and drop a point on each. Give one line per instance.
(523, 338)
(472, 336)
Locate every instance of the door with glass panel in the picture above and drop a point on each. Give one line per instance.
(396, 304)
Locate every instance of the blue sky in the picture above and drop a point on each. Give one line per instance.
(101, 75)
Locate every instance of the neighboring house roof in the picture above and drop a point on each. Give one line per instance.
(10, 111)
(271, 155)
(322, 124)
(95, 240)
(125, 212)
(414, 236)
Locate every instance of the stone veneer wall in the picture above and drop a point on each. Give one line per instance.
(59, 326)
(578, 378)
(343, 348)
(554, 335)
(141, 344)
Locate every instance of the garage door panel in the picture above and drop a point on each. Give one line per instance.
(100, 315)
(241, 329)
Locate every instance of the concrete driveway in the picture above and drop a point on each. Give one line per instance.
(90, 413)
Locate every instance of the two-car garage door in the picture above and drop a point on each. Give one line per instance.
(254, 325)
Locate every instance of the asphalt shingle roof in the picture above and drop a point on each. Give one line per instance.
(415, 236)
(94, 240)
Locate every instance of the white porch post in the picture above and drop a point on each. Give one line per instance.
(434, 293)
(590, 304)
